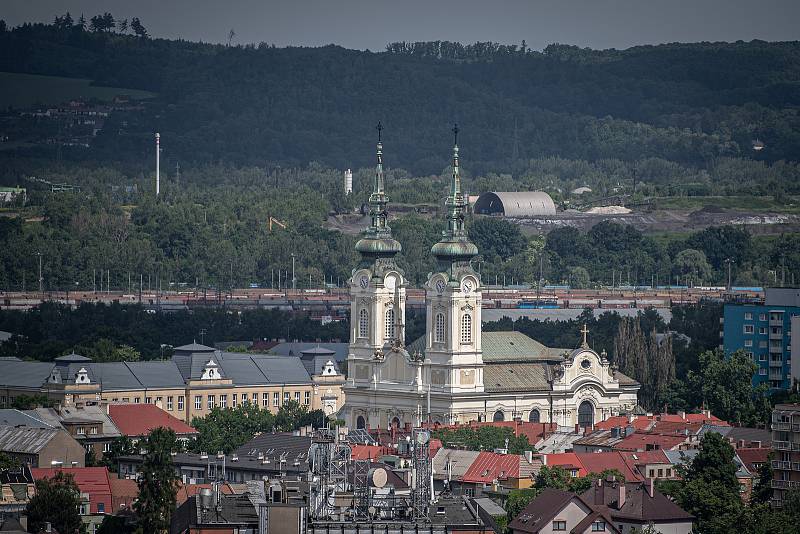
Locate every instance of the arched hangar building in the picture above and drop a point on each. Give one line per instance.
(515, 204)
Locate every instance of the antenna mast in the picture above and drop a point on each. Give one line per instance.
(158, 163)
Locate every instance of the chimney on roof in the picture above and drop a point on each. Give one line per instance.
(621, 495)
(529, 456)
(707, 413)
(544, 459)
(756, 444)
(650, 486)
(614, 431)
(682, 414)
(740, 444)
(631, 418)
(577, 428)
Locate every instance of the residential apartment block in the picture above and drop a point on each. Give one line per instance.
(786, 447)
(763, 331)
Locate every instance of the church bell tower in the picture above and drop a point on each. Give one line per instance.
(377, 293)
(453, 303)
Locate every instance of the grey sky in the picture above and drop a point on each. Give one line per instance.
(373, 24)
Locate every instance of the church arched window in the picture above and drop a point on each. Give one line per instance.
(466, 328)
(438, 328)
(534, 416)
(363, 323)
(586, 414)
(499, 416)
(390, 325)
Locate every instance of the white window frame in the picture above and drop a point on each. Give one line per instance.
(180, 402)
(439, 330)
(363, 323)
(466, 329)
(169, 402)
(198, 402)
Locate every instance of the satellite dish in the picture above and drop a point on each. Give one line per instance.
(378, 477)
(758, 145)
(423, 437)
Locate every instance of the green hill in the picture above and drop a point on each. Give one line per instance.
(686, 103)
(25, 90)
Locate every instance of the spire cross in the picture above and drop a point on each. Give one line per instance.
(455, 134)
(379, 127)
(584, 331)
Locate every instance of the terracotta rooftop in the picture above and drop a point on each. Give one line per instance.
(140, 419)
(91, 480)
(490, 466)
(753, 458)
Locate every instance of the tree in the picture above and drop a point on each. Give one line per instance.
(8, 462)
(724, 385)
(122, 26)
(555, 477)
(57, 501)
(578, 278)
(497, 237)
(158, 483)
(29, 402)
(762, 490)
(691, 266)
(518, 499)
(138, 28)
(228, 429)
(102, 23)
(710, 490)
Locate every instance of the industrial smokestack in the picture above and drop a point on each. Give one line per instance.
(348, 182)
(158, 163)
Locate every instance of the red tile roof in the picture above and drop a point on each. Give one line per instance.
(646, 422)
(639, 423)
(753, 457)
(642, 441)
(91, 480)
(567, 460)
(597, 462)
(123, 493)
(490, 466)
(139, 419)
(368, 452)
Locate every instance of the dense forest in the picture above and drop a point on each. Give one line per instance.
(678, 112)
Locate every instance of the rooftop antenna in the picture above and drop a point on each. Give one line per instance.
(158, 163)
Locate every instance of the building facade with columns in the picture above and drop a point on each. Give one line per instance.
(456, 373)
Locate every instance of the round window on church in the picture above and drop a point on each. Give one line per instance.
(586, 364)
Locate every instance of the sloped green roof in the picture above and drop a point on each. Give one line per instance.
(515, 377)
(506, 347)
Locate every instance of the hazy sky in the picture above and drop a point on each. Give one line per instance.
(373, 24)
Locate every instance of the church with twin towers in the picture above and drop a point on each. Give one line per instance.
(456, 373)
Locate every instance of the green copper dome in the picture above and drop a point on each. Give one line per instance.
(454, 250)
(376, 246)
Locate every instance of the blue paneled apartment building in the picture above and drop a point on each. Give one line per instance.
(763, 330)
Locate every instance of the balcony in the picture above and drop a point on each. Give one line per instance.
(781, 426)
(795, 466)
(785, 484)
(795, 446)
(781, 445)
(776, 363)
(778, 464)
(776, 350)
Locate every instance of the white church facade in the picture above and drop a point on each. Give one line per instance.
(456, 373)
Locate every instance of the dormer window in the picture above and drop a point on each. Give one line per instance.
(82, 376)
(329, 369)
(211, 371)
